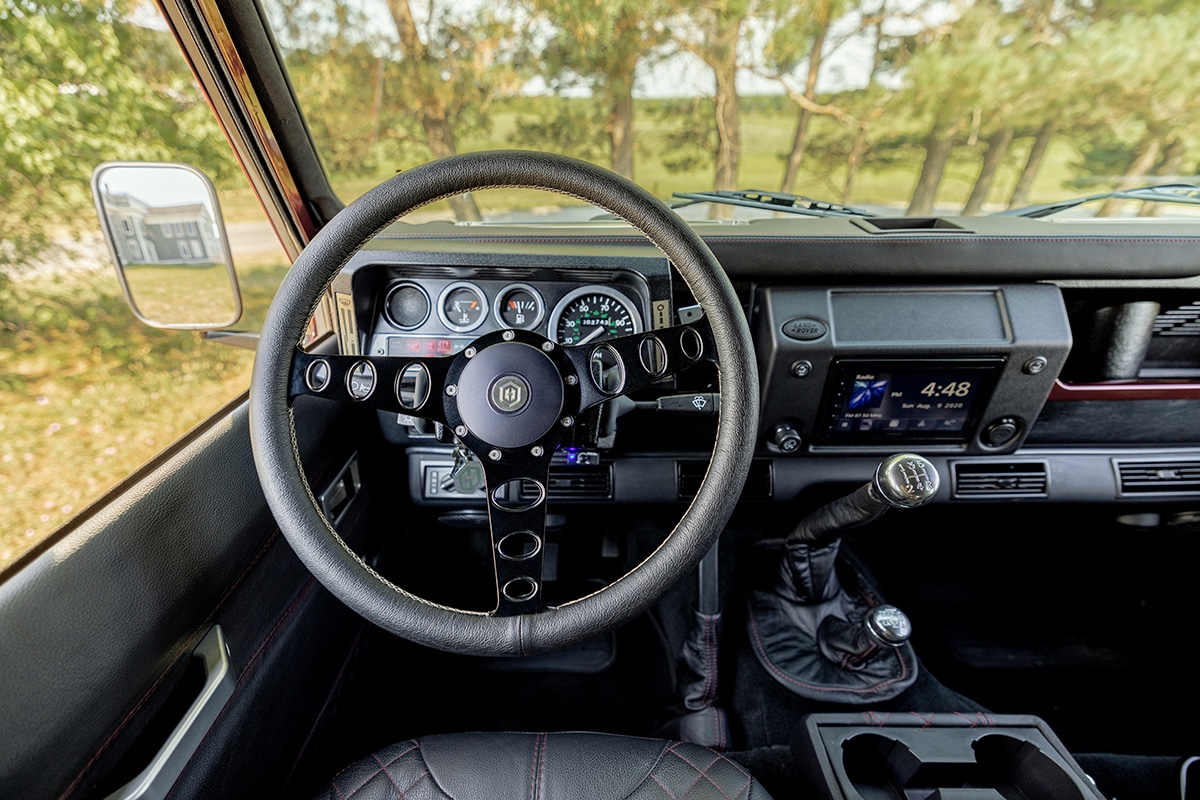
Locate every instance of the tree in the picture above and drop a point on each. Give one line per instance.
(800, 35)
(73, 95)
(451, 71)
(429, 82)
(985, 44)
(1150, 109)
(1033, 163)
(599, 45)
(712, 31)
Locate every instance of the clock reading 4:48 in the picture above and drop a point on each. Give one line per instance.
(952, 389)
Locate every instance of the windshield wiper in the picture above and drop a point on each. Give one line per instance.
(772, 201)
(1184, 193)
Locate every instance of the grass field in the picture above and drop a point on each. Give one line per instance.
(90, 394)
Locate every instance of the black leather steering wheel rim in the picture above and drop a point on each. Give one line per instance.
(343, 572)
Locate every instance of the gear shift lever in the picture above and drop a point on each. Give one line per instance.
(901, 481)
(820, 630)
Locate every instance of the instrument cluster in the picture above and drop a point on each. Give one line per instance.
(430, 317)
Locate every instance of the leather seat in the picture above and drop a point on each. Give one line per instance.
(544, 766)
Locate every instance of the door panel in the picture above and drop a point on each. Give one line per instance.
(96, 631)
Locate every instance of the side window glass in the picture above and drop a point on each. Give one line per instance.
(88, 394)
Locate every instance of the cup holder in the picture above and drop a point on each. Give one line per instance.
(939, 756)
(1025, 767)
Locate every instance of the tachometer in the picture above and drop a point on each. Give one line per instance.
(593, 313)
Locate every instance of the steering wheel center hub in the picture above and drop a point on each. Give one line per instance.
(510, 394)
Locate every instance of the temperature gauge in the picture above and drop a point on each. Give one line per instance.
(462, 307)
(519, 306)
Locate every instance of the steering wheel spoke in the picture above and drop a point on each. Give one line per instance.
(516, 491)
(619, 366)
(411, 386)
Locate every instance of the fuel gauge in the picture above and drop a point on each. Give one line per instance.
(520, 306)
(462, 307)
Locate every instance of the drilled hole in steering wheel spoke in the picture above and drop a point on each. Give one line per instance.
(519, 494)
(519, 546)
(520, 589)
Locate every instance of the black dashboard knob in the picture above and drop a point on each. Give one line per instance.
(786, 437)
(1001, 431)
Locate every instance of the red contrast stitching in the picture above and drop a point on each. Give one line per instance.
(387, 774)
(926, 720)
(533, 773)
(542, 766)
(383, 769)
(703, 772)
(785, 677)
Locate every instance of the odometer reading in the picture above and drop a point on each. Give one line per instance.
(592, 314)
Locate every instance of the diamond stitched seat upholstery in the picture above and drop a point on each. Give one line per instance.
(544, 766)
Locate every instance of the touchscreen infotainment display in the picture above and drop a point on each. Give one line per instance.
(935, 400)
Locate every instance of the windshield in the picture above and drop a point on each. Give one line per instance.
(890, 106)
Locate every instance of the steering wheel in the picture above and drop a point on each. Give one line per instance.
(509, 398)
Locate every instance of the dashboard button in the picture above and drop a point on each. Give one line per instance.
(786, 438)
(804, 329)
(1001, 432)
(801, 369)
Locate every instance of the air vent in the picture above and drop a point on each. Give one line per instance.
(995, 481)
(691, 473)
(575, 483)
(1181, 321)
(1159, 477)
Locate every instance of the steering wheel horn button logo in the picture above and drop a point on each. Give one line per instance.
(509, 394)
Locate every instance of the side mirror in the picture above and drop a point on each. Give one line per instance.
(164, 230)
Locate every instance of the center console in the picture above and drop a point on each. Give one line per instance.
(877, 369)
(977, 755)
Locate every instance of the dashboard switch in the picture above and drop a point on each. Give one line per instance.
(801, 369)
(704, 403)
(786, 438)
(1001, 432)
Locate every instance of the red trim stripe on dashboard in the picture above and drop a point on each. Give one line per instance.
(1124, 390)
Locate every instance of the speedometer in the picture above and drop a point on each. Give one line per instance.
(592, 313)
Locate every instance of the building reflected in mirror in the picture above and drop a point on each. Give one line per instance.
(161, 234)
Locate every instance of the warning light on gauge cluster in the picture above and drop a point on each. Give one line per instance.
(422, 346)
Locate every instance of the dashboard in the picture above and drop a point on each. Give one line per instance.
(1013, 388)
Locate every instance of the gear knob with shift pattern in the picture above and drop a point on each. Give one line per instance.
(820, 630)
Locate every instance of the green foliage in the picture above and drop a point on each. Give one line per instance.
(690, 143)
(380, 100)
(598, 45)
(71, 98)
(572, 127)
